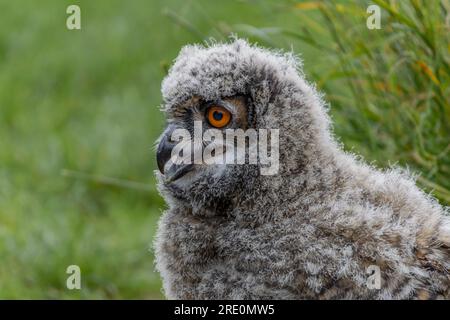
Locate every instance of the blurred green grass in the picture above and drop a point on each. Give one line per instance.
(88, 101)
(389, 88)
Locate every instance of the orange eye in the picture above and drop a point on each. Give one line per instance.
(218, 116)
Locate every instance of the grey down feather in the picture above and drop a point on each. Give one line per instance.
(308, 232)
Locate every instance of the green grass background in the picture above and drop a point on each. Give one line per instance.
(87, 101)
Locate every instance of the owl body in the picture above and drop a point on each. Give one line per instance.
(325, 226)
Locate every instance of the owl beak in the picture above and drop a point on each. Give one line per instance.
(177, 171)
(163, 153)
(171, 171)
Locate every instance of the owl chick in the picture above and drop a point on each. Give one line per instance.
(324, 226)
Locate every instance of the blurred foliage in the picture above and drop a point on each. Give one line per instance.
(79, 114)
(389, 88)
(398, 78)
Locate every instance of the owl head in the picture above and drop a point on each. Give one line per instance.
(236, 87)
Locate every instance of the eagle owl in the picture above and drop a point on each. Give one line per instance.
(325, 226)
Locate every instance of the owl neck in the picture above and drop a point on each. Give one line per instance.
(308, 173)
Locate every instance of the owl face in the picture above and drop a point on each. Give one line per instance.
(233, 86)
(194, 119)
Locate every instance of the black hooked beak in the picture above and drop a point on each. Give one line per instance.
(163, 155)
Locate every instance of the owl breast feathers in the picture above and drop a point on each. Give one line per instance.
(324, 226)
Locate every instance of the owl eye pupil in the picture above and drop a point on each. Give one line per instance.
(217, 115)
